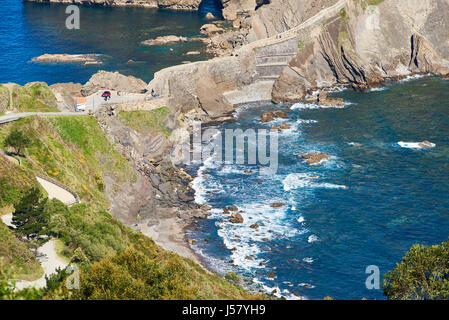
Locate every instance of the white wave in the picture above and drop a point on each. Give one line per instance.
(306, 121)
(246, 241)
(414, 145)
(303, 180)
(301, 219)
(307, 260)
(414, 77)
(378, 89)
(312, 238)
(302, 105)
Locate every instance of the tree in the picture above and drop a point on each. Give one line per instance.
(423, 274)
(30, 217)
(18, 140)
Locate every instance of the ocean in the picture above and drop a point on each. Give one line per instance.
(375, 197)
(28, 30)
(366, 206)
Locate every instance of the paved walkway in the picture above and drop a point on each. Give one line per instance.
(16, 116)
(49, 260)
(56, 192)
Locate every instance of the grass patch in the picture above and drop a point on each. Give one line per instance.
(115, 261)
(146, 121)
(34, 98)
(16, 256)
(74, 151)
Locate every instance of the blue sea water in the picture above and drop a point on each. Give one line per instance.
(365, 206)
(28, 30)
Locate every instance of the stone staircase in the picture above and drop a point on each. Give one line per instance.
(272, 58)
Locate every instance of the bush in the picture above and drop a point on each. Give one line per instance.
(423, 274)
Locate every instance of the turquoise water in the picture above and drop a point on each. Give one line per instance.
(367, 205)
(28, 30)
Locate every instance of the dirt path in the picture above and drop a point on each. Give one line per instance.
(10, 87)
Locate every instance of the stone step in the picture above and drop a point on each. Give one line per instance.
(268, 78)
(270, 69)
(274, 59)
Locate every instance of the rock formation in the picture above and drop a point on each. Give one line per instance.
(103, 80)
(314, 157)
(159, 41)
(68, 58)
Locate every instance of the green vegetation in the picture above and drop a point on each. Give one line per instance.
(14, 180)
(34, 97)
(74, 151)
(149, 274)
(423, 274)
(375, 2)
(16, 255)
(146, 121)
(8, 292)
(17, 140)
(115, 261)
(29, 217)
(4, 99)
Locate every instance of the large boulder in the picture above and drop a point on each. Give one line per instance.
(104, 80)
(210, 30)
(273, 114)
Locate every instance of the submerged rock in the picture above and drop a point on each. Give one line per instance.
(67, 58)
(314, 157)
(277, 204)
(163, 40)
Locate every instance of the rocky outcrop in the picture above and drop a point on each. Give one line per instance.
(167, 4)
(211, 29)
(158, 186)
(314, 157)
(160, 41)
(65, 94)
(272, 115)
(363, 45)
(196, 89)
(87, 59)
(103, 80)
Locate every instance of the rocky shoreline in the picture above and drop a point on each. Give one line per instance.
(331, 43)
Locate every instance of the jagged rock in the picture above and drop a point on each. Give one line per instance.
(323, 99)
(163, 40)
(232, 208)
(236, 218)
(273, 114)
(210, 16)
(210, 30)
(277, 204)
(103, 80)
(271, 275)
(254, 226)
(314, 157)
